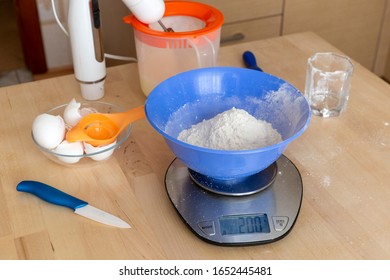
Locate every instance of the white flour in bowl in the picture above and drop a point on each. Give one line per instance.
(234, 129)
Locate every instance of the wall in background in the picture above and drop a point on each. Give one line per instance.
(56, 43)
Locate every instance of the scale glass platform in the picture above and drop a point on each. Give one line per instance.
(258, 209)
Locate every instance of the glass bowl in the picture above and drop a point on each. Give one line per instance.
(91, 155)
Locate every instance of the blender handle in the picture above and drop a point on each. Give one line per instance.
(96, 31)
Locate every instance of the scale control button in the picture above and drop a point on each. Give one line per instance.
(280, 222)
(207, 227)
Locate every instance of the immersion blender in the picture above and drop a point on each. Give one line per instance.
(89, 65)
(84, 27)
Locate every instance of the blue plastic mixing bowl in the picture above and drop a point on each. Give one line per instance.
(190, 97)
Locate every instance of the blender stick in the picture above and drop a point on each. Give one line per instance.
(169, 29)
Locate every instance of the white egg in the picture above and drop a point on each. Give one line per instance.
(71, 151)
(48, 130)
(89, 149)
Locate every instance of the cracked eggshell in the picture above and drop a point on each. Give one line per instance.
(72, 113)
(48, 130)
(72, 152)
(89, 149)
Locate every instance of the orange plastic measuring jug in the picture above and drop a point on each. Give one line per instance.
(193, 44)
(102, 129)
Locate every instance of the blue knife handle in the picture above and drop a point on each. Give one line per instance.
(250, 61)
(50, 194)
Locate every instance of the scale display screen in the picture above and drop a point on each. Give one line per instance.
(244, 224)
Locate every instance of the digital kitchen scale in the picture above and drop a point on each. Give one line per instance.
(258, 209)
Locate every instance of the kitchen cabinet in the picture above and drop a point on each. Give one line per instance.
(249, 20)
(354, 27)
(118, 38)
(359, 28)
(382, 65)
(386, 74)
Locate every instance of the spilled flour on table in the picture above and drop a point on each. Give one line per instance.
(234, 129)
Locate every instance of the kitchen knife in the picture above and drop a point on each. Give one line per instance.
(55, 196)
(250, 61)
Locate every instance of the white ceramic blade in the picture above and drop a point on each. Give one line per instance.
(101, 216)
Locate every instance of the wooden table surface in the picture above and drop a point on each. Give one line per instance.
(344, 163)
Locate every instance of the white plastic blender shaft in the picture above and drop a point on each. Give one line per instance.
(89, 70)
